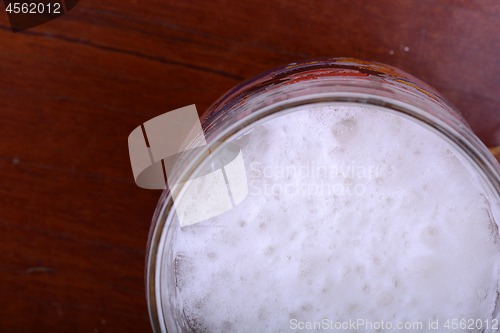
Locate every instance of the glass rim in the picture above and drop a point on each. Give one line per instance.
(488, 169)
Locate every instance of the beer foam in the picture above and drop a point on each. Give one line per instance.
(352, 214)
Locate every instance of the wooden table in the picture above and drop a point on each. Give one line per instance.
(73, 224)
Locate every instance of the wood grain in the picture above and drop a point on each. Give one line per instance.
(73, 225)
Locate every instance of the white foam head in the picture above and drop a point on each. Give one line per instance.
(351, 214)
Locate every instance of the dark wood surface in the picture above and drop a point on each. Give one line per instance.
(73, 224)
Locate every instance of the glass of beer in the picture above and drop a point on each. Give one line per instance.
(363, 202)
